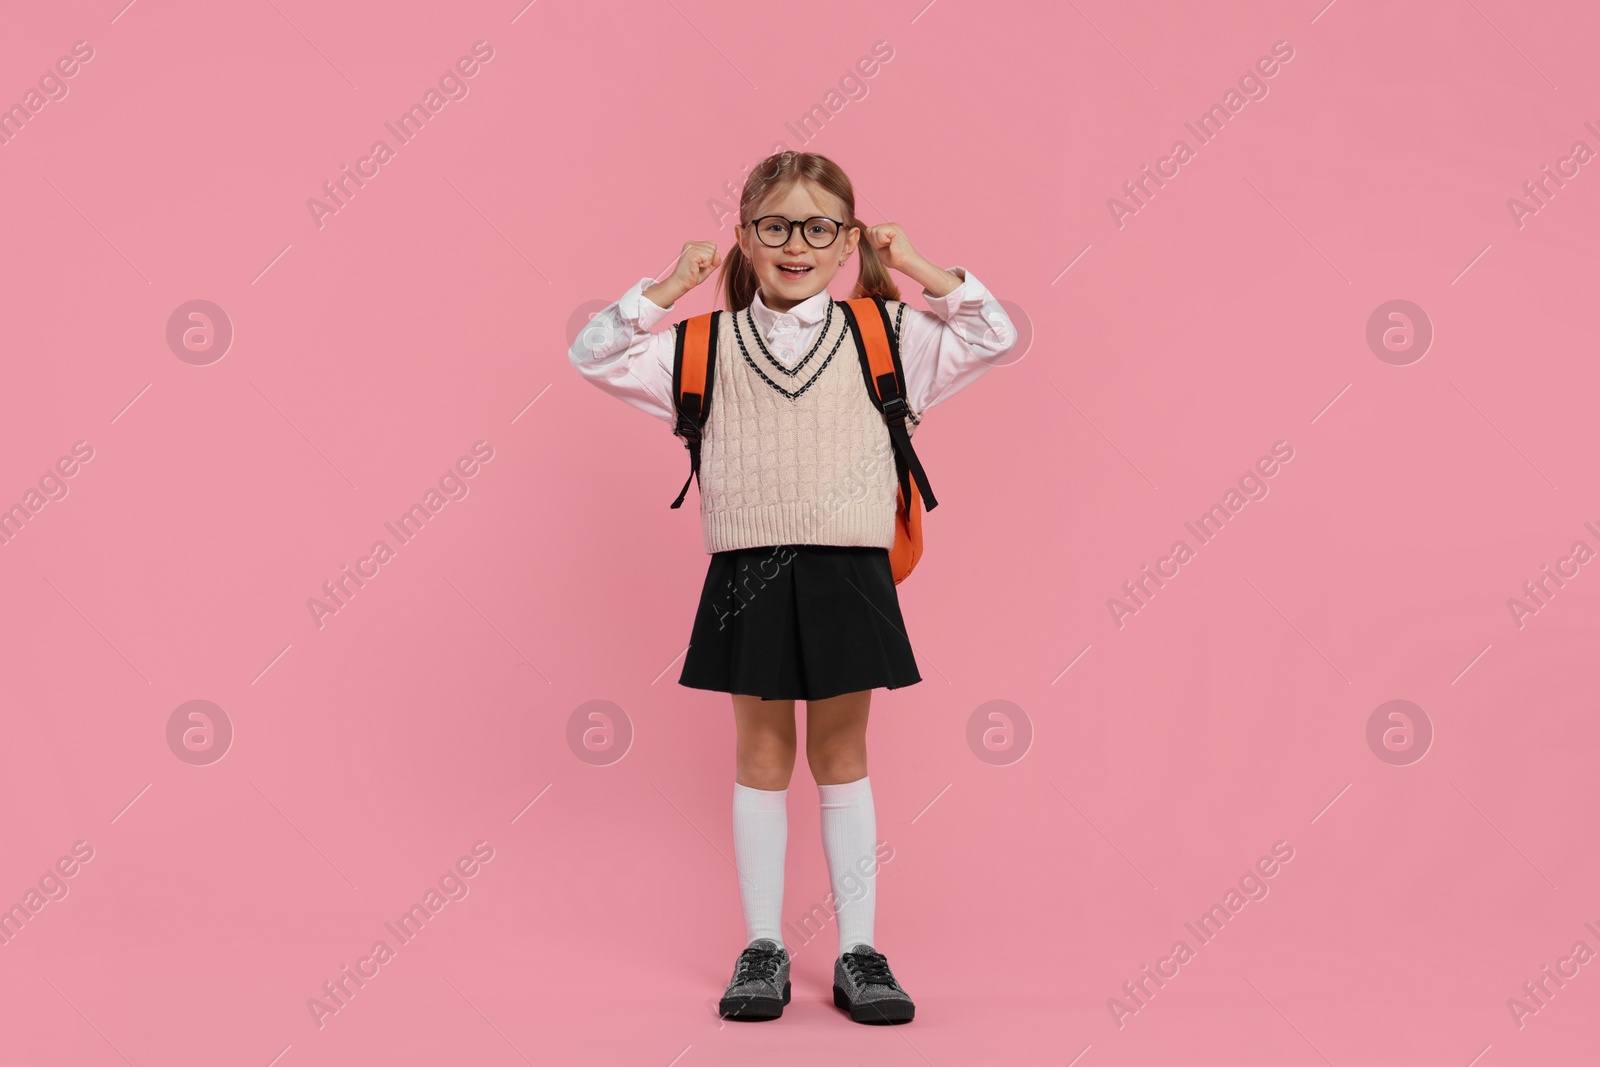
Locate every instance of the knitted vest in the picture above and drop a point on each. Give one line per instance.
(794, 457)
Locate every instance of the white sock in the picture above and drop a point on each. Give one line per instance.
(849, 837)
(760, 838)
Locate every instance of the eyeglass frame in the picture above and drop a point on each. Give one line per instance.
(799, 222)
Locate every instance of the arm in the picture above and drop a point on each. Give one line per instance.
(956, 342)
(620, 354)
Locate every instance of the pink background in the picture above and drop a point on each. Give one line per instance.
(432, 312)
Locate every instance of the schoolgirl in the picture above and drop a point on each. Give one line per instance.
(797, 510)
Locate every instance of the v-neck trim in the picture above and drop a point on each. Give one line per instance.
(838, 341)
(816, 346)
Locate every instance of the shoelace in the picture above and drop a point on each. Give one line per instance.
(757, 962)
(869, 968)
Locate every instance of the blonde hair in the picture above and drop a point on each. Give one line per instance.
(775, 174)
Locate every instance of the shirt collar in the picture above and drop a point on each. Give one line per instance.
(809, 311)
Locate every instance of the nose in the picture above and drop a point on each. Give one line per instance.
(795, 243)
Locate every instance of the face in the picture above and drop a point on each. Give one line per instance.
(781, 289)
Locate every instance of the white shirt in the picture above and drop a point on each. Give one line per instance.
(942, 352)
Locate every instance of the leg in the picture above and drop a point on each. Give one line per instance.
(766, 741)
(836, 748)
(765, 761)
(836, 737)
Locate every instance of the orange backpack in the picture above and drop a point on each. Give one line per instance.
(694, 374)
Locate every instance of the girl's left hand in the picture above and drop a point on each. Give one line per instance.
(889, 241)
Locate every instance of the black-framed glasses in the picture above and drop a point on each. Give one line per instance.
(774, 230)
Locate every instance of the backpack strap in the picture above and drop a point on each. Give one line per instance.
(879, 346)
(694, 372)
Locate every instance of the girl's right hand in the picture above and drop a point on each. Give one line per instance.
(695, 265)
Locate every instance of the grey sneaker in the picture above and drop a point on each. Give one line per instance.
(760, 986)
(864, 986)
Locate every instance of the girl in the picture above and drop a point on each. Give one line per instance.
(814, 615)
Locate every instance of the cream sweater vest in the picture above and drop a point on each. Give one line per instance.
(815, 466)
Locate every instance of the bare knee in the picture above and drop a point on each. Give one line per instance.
(766, 761)
(836, 759)
(766, 745)
(836, 737)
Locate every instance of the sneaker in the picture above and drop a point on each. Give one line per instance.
(760, 986)
(864, 986)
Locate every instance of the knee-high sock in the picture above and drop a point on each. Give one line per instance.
(849, 837)
(760, 838)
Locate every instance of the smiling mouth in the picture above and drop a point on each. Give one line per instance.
(795, 272)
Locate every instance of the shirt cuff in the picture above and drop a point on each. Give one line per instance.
(636, 307)
(970, 291)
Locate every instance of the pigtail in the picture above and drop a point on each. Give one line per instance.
(739, 282)
(874, 278)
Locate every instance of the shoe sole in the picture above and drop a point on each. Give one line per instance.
(750, 1008)
(883, 1011)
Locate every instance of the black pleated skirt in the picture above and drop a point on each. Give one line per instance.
(799, 622)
